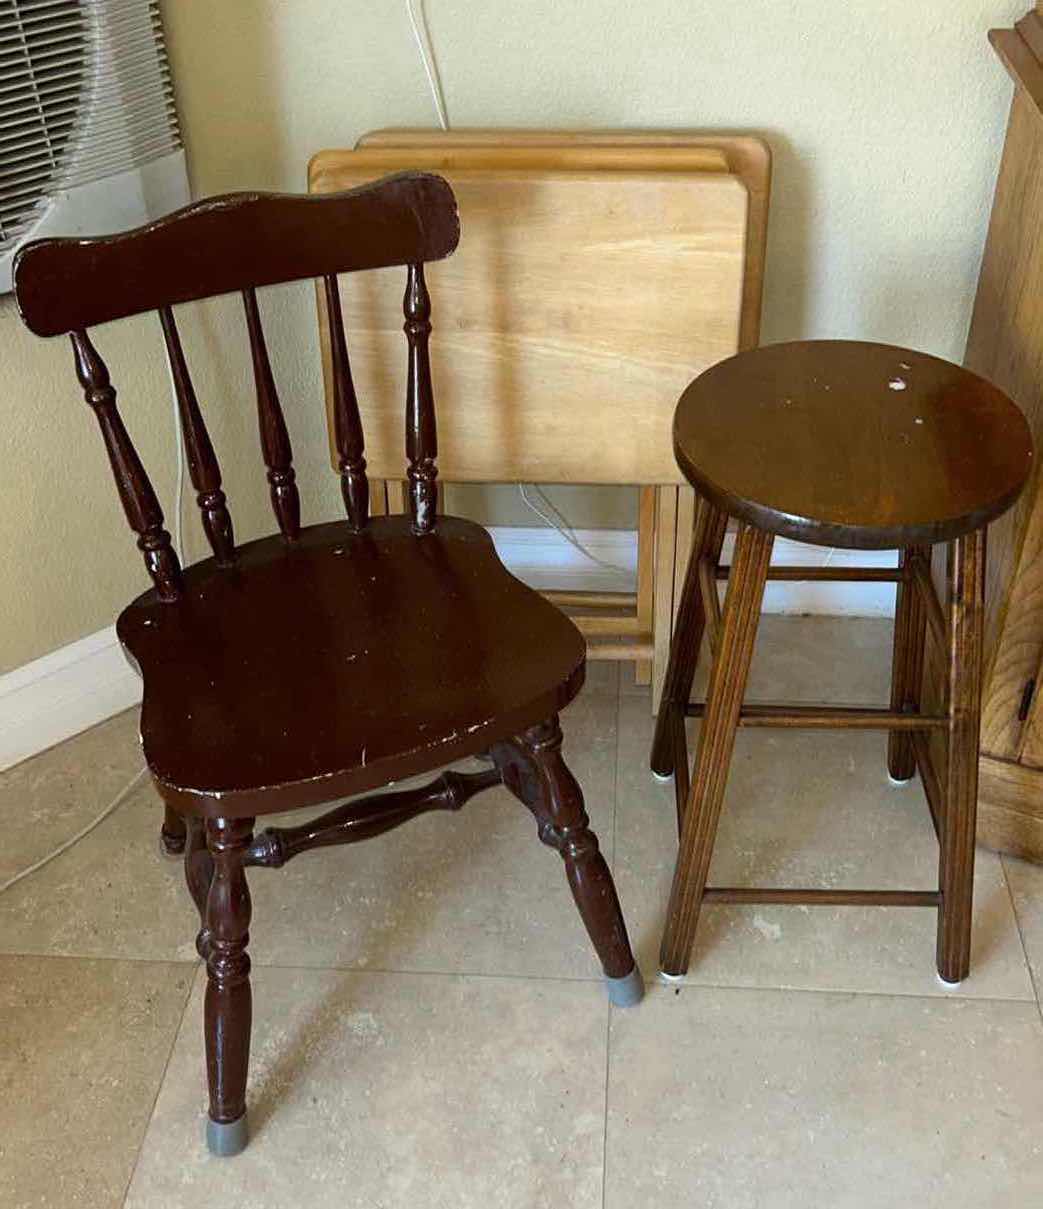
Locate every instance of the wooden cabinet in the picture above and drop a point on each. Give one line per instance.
(1006, 345)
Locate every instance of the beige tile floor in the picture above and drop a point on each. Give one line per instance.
(430, 1028)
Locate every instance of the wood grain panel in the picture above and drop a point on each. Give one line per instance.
(749, 158)
(1006, 346)
(1006, 819)
(577, 307)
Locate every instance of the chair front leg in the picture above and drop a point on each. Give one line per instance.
(228, 1006)
(534, 770)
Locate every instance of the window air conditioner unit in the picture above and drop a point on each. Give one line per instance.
(89, 136)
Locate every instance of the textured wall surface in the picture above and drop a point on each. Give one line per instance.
(886, 119)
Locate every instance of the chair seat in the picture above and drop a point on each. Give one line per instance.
(844, 443)
(335, 664)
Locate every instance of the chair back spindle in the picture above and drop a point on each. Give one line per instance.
(421, 435)
(203, 468)
(275, 440)
(142, 509)
(347, 423)
(238, 243)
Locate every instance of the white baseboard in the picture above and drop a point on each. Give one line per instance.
(544, 559)
(87, 681)
(63, 693)
(832, 599)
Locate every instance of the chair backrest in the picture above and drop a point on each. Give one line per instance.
(240, 242)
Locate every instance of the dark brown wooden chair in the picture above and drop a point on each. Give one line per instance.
(864, 446)
(331, 659)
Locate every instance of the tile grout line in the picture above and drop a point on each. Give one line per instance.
(593, 979)
(159, 1088)
(1021, 937)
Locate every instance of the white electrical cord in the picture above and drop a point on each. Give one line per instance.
(116, 801)
(427, 57)
(179, 491)
(562, 526)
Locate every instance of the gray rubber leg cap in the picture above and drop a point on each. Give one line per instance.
(899, 781)
(661, 777)
(626, 991)
(225, 1138)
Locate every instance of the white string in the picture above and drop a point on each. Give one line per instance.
(427, 57)
(559, 522)
(179, 491)
(556, 520)
(116, 801)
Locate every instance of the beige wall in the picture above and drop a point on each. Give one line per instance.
(886, 119)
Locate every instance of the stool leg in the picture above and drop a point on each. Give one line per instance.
(707, 539)
(956, 866)
(716, 741)
(907, 665)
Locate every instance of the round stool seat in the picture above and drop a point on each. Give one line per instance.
(845, 443)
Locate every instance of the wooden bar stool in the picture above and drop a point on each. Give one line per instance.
(863, 446)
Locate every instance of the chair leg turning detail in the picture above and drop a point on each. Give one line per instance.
(219, 851)
(228, 1005)
(534, 770)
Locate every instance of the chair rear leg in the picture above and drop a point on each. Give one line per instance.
(172, 832)
(534, 770)
(199, 872)
(228, 1006)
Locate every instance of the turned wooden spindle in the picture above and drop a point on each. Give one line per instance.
(533, 769)
(275, 440)
(142, 509)
(228, 1002)
(421, 438)
(202, 461)
(347, 424)
(363, 819)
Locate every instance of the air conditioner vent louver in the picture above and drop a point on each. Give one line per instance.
(38, 101)
(85, 98)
